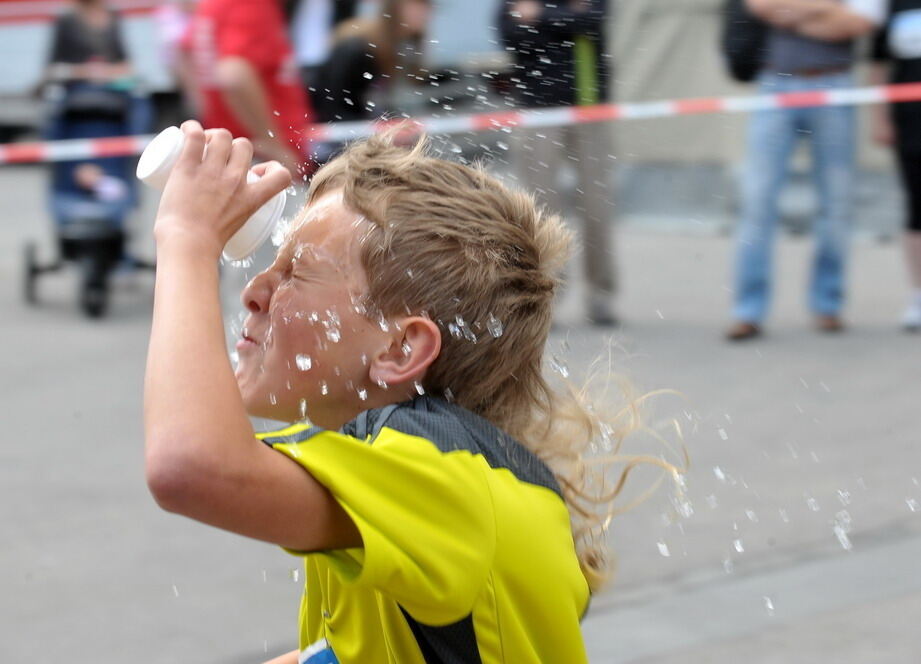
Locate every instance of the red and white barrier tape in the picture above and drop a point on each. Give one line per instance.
(19, 153)
(45, 11)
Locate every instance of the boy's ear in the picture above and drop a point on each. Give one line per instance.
(410, 354)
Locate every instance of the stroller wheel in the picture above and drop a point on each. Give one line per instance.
(94, 292)
(30, 273)
(94, 301)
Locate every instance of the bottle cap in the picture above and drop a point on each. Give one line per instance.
(257, 228)
(160, 156)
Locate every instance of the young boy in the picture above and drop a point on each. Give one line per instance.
(427, 477)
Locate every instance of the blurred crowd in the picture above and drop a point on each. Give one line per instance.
(267, 69)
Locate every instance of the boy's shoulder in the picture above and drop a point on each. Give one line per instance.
(447, 426)
(451, 428)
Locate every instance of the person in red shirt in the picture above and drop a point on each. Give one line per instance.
(245, 79)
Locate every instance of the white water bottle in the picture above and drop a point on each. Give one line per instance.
(154, 168)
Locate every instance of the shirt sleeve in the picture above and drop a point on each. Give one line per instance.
(248, 30)
(873, 10)
(426, 517)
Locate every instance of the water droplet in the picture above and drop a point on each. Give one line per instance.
(363, 394)
(175, 590)
(295, 574)
(273, 399)
(844, 497)
(912, 504)
(783, 515)
(751, 516)
(723, 434)
(280, 232)
(494, 326)
(291, 190)
(720, 475)
(419, 389)
(324, 388)
(768, 605)
(737, 545)
(271, 134)
(812, 503)
(728, 565)
(558, 366)
(449, 395)
(304, 362)
(265, 576)
(842, 529)
(368, 75)
(243, 263)
(682, 505)
(663, 549)
(302, 407)
(333, 334)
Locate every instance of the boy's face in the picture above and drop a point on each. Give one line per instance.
(306, 345)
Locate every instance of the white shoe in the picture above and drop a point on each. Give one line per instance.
(911, 319)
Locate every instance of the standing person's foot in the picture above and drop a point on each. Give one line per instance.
(911, 319)
(829, 323)
(742, 331)
(601, 311)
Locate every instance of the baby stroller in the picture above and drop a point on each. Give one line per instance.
(91, 198)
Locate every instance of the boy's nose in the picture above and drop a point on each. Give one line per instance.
(258, 292)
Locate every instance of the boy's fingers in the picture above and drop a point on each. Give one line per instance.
(260, 168)
(219, 143)
(273, 177)
(194, 144)
(241, 155)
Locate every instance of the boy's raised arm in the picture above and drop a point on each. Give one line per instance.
(287, 658)
(202, 459)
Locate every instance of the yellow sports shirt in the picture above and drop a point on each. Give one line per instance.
(467, 551)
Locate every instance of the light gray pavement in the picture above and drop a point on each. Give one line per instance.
(788, 437)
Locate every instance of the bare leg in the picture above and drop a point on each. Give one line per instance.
(913, 258)
(911, 320)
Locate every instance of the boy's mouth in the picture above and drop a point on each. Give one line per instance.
(246, 341)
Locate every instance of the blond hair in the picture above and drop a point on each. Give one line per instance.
(483, 261)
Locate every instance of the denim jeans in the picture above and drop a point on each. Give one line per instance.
(772, 136)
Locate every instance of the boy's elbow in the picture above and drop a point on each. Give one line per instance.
(170, 479)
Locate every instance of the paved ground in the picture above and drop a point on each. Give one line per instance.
(806, 525)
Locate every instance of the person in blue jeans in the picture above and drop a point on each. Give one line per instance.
(810, 46)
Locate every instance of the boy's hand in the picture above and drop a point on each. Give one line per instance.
(207, 198)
